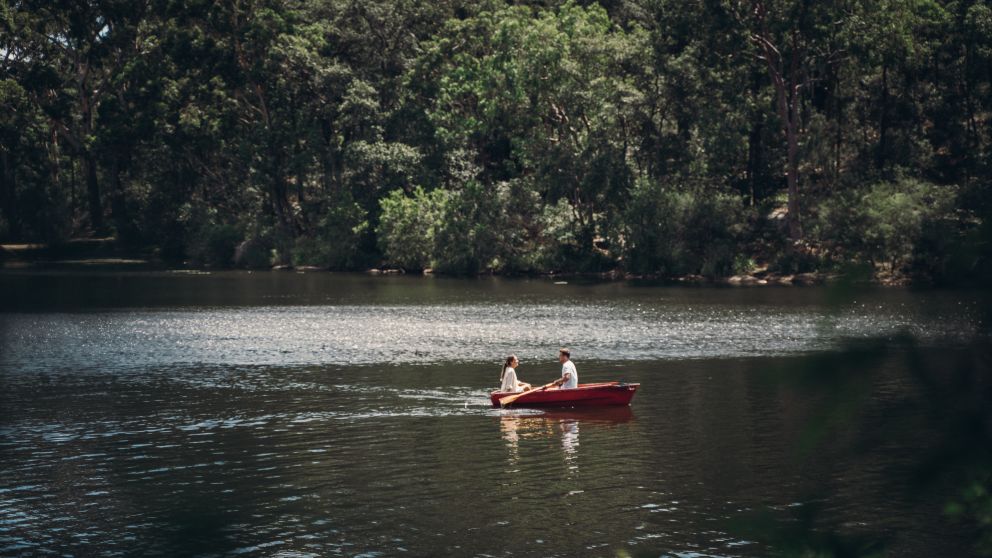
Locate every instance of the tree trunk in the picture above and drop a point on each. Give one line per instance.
(279, 198)
(788, 108)
(327, 158)
(72, 186)
(118, 202)
(787, 80)
(8, 199)
(53, 161)
(93, 194)
(838, 119)
(754, 162)
(330, 172)
(792, 177)
(883, 125)
(838, 140)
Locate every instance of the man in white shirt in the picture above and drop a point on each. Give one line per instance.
(569, 376)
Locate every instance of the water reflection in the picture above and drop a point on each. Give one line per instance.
(509, 426)
(528, 424)
(355, 322)
(570, 442)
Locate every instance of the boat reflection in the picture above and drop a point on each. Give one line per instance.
(517, 425)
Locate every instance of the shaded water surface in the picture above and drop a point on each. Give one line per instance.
(313, 415)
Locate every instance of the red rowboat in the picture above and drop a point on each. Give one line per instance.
(586, 395)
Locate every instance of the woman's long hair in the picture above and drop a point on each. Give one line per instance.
(506, 365)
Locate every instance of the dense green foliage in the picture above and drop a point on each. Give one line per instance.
(407, 228)
(681, 230)
(891, 222)
(649, 136)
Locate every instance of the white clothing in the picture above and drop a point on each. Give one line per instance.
(572, 380)
(510, 381)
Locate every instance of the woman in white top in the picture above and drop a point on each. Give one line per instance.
(508, 377)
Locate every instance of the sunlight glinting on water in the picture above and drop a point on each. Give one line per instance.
(419, 334)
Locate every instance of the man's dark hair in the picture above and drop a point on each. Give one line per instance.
(564, 351)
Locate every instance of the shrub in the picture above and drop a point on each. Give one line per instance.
(408, 224)
(308, 251)
(253, 253)
(676, 231)
(465, 231)
(214, 244)
(796, 259)
(743, 264)
(907, 223)
(557, 244)
(337, 237)
(519, 225)
(469, 238)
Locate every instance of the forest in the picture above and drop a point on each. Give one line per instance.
(662, 138)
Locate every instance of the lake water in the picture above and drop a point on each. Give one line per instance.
(286, 414)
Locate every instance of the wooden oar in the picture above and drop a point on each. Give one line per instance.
(505, 401)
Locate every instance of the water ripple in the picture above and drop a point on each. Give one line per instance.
(423, 334)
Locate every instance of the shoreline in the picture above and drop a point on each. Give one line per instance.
(37, 257)
(105, 254)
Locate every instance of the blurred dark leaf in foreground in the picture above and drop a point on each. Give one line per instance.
(932, 404)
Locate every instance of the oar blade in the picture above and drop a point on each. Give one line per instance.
(510, 399)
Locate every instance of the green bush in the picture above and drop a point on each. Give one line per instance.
(557, 244)
(473, 229)
(518, 222)
(470, 237)
(797, 260)
(213, 245)
(255, 252)
(309, 251)
(906, 224)
(463, 231)
(679, 230)
(50, 216)
(407, 226)
(335, 243)
(743, 264)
